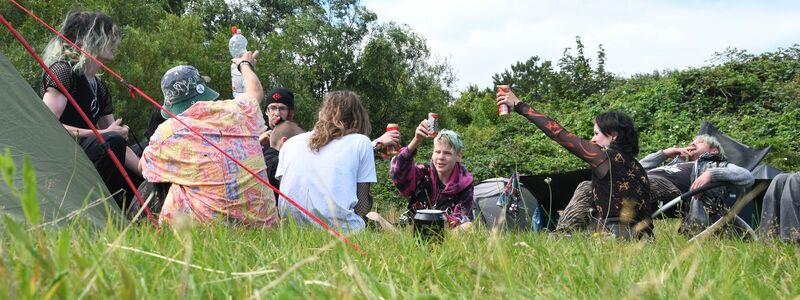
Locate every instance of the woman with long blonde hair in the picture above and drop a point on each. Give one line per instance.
(329, 169)
(95, 33)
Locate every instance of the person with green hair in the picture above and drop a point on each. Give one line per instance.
(442, 184)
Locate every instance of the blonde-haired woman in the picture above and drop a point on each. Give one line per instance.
(97, 34)
(329, 169)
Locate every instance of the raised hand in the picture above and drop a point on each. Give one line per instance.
(390, 138)
(422, 132)
(507, 97)
(247, 56)
(674, 151)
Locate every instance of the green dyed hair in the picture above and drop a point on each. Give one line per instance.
(451, 139)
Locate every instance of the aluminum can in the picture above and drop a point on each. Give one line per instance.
(393, 149)
(433, 121)
(503, 109)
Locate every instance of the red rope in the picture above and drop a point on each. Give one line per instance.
(85, 118)
(144, 95)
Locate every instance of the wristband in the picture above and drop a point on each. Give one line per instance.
(239, 66)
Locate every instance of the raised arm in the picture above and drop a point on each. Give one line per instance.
(252, 85)
(404, 173)
(583, 149)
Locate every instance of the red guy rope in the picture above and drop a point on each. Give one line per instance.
(155, 103)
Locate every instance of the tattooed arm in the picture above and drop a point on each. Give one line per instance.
(583, 149)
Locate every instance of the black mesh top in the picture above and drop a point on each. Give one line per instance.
(83, 92)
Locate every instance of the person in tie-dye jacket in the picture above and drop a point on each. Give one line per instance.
(442, 184)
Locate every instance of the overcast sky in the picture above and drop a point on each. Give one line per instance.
(481, 38)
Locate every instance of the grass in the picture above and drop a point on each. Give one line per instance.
(79, 261)
(138, 261)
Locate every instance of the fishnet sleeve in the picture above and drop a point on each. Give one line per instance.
(63, 72)
(364, 204)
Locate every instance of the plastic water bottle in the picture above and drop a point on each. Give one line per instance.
(237, 45)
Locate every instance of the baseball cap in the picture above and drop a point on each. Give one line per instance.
(183, 86)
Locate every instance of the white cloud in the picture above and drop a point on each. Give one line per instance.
(481, 38)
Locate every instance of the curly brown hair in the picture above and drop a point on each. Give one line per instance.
(341, 114)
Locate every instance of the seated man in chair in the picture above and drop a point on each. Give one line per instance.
(696, 165)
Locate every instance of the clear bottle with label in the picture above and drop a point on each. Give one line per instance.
(237, 46)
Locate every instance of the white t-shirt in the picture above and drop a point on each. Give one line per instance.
(324, 182)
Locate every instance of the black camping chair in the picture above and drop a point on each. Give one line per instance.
(740, 155)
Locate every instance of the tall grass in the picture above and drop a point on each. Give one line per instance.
(138, 261)
(288, 262)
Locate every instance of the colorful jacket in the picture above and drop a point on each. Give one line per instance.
(421, 185)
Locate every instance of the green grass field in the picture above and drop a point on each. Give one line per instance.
(77, 261)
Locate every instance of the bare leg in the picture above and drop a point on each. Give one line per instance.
(132, 161)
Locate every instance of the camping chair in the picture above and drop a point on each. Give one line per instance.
(738, 154)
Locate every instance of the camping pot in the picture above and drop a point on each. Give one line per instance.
(429, 225)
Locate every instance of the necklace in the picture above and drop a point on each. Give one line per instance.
(94, 108)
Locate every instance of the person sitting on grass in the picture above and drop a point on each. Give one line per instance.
(280, 134)
(206, 185)
(620, 188)
(328, 171)
(99, 36)
(442, 184)
(700, 163)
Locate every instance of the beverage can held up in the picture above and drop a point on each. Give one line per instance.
(503, 109)
(433, 122)
(393, 149)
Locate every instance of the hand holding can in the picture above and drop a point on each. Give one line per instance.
(392, 149)
(503, 109)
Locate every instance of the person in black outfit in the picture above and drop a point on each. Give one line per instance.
(97, 34)
(620, 187)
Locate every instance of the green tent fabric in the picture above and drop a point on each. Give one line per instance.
(66, 179)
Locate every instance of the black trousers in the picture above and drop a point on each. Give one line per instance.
(111, 176)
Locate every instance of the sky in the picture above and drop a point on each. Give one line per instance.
(481, 38)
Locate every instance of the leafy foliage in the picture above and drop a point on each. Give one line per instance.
(753, 98)
(310, 47)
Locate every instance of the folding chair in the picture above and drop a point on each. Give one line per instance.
(738, 154)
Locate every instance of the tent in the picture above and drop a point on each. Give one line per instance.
(66, 179)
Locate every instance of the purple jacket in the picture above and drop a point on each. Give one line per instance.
(420, 184)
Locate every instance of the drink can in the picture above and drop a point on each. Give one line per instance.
(433, 122)
(503, 109)
(393, 149)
